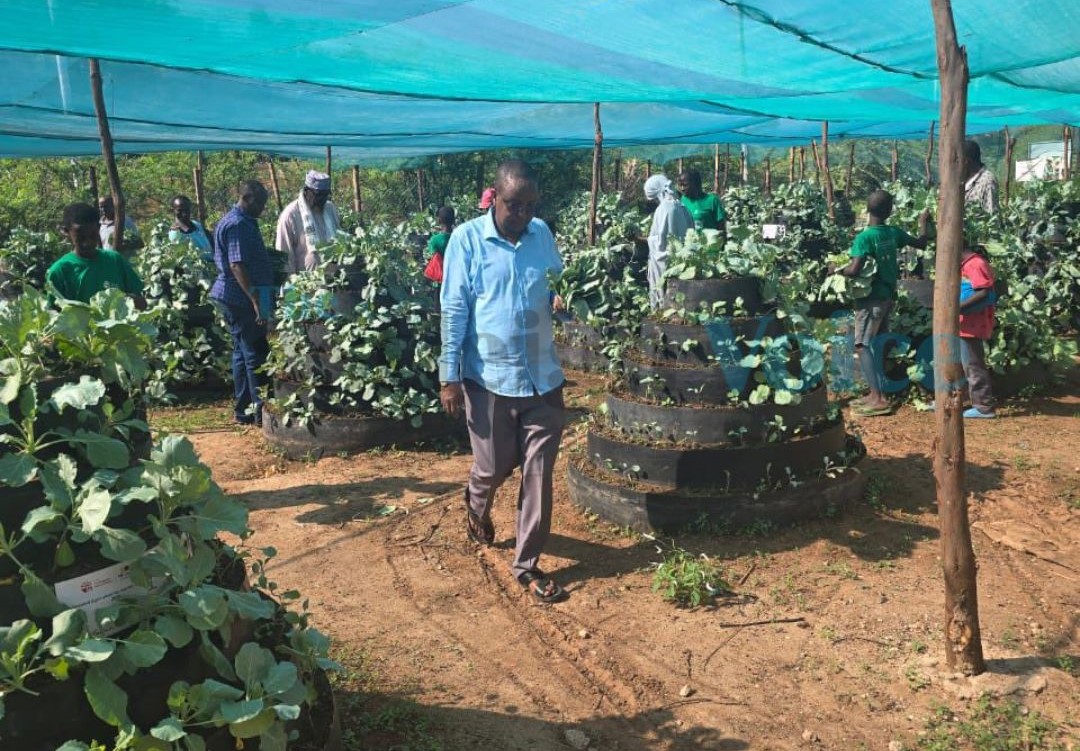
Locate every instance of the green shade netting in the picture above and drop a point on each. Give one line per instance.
(413, 77)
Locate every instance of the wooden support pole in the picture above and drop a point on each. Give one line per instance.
(930, 155)
(93, 185)
(727, 166)
(680, 166)
(420, 189)
(817, 162)
(894, 170)
(1010, 143)
(850, 169)
(107, 153)
(768, 177)
(802, 163)
(618, 172)
(597, 166)
(1066, 167)
(274, 183)
(743, 167)
(963, 641)
(716, 168)
(826, 174)
(329, 162)
(356, 205)
(791, 165)
(648, 168)
(200, 193)
(479, 176)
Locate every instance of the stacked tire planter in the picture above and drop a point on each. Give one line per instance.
(580, 346)
(123, 619)
(310, 368)
(680, 445)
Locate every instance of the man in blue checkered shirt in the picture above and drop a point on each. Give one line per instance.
(244, 279)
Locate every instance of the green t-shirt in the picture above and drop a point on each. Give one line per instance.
(437, 243)
(881, 242)
(708, 211)
(78, 278)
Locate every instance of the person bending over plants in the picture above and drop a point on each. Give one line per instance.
(88, 269)
(882, 243)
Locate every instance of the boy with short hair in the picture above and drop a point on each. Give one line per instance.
(976, 327)
(881, 242)
(88, 269)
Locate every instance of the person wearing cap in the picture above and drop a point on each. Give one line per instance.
(309, 221)
(670, 219)
(486, 199)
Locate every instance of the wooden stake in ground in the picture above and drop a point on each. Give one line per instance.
(929, 156)
(1010, 143)
(894, 170)
(768, 177)
(617, 182)
(648, 168)
(727, 166)
(479, 177)
(107, 152)
(791, 165)
(274, 183)
(420, 189)
(200, 194)
(850, 169)
(963, 641)
(743, 166)
(716, 169)
(680, 166)
(817, 162)
(802, 163)
(93, 185)
(329, 161)
(597, 166)
(825, 169)
(1066, 167)
(356, 205)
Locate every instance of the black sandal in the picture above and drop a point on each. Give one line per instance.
(481, 531)
(543, 588)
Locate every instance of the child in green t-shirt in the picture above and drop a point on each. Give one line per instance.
(88, 269)
(437, 244)
(882, 243)
(706, 208)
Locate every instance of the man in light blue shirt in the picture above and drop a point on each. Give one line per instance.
(498, 363)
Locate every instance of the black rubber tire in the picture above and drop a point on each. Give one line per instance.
(687, 385)
(581, 358)
(352, 434)
(692, 293)
(725, 467)
(712, 425)
(663, 341)
(651, 512)
(576, 334)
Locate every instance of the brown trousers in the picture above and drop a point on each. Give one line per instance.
(506, 432)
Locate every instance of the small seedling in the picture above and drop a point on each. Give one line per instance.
(688, 580)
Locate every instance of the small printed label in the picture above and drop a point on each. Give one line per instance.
(96, 590)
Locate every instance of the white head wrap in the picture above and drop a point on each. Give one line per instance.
(658, 186)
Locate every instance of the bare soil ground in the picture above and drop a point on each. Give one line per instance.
(832, 640)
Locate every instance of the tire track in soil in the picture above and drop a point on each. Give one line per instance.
(536, 629)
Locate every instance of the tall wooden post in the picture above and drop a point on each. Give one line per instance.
(727, 166)
(802, 163)
(200, 194)
(93, 185)
(618, 172)
(107, 152)
(329, 162)
(597, 165)
(791, 165)
(930, 156)
(768, 177)
(274, 183)
(420, 189)
(817, 162)
(850, 169)
(479, 176)
(826, 174)
(1066, 168)
(894, 170)
(1010, 143)
(963, 641)
(716, 168)
(743, 167)
(679, 164)
(356, 205)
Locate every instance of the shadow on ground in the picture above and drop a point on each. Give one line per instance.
(346, 502)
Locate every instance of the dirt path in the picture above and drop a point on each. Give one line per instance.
(828, 643)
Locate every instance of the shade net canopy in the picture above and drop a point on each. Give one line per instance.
(378, 80)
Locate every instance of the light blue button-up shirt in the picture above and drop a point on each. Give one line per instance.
(496, 309)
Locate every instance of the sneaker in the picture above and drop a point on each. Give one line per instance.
(976, 413)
